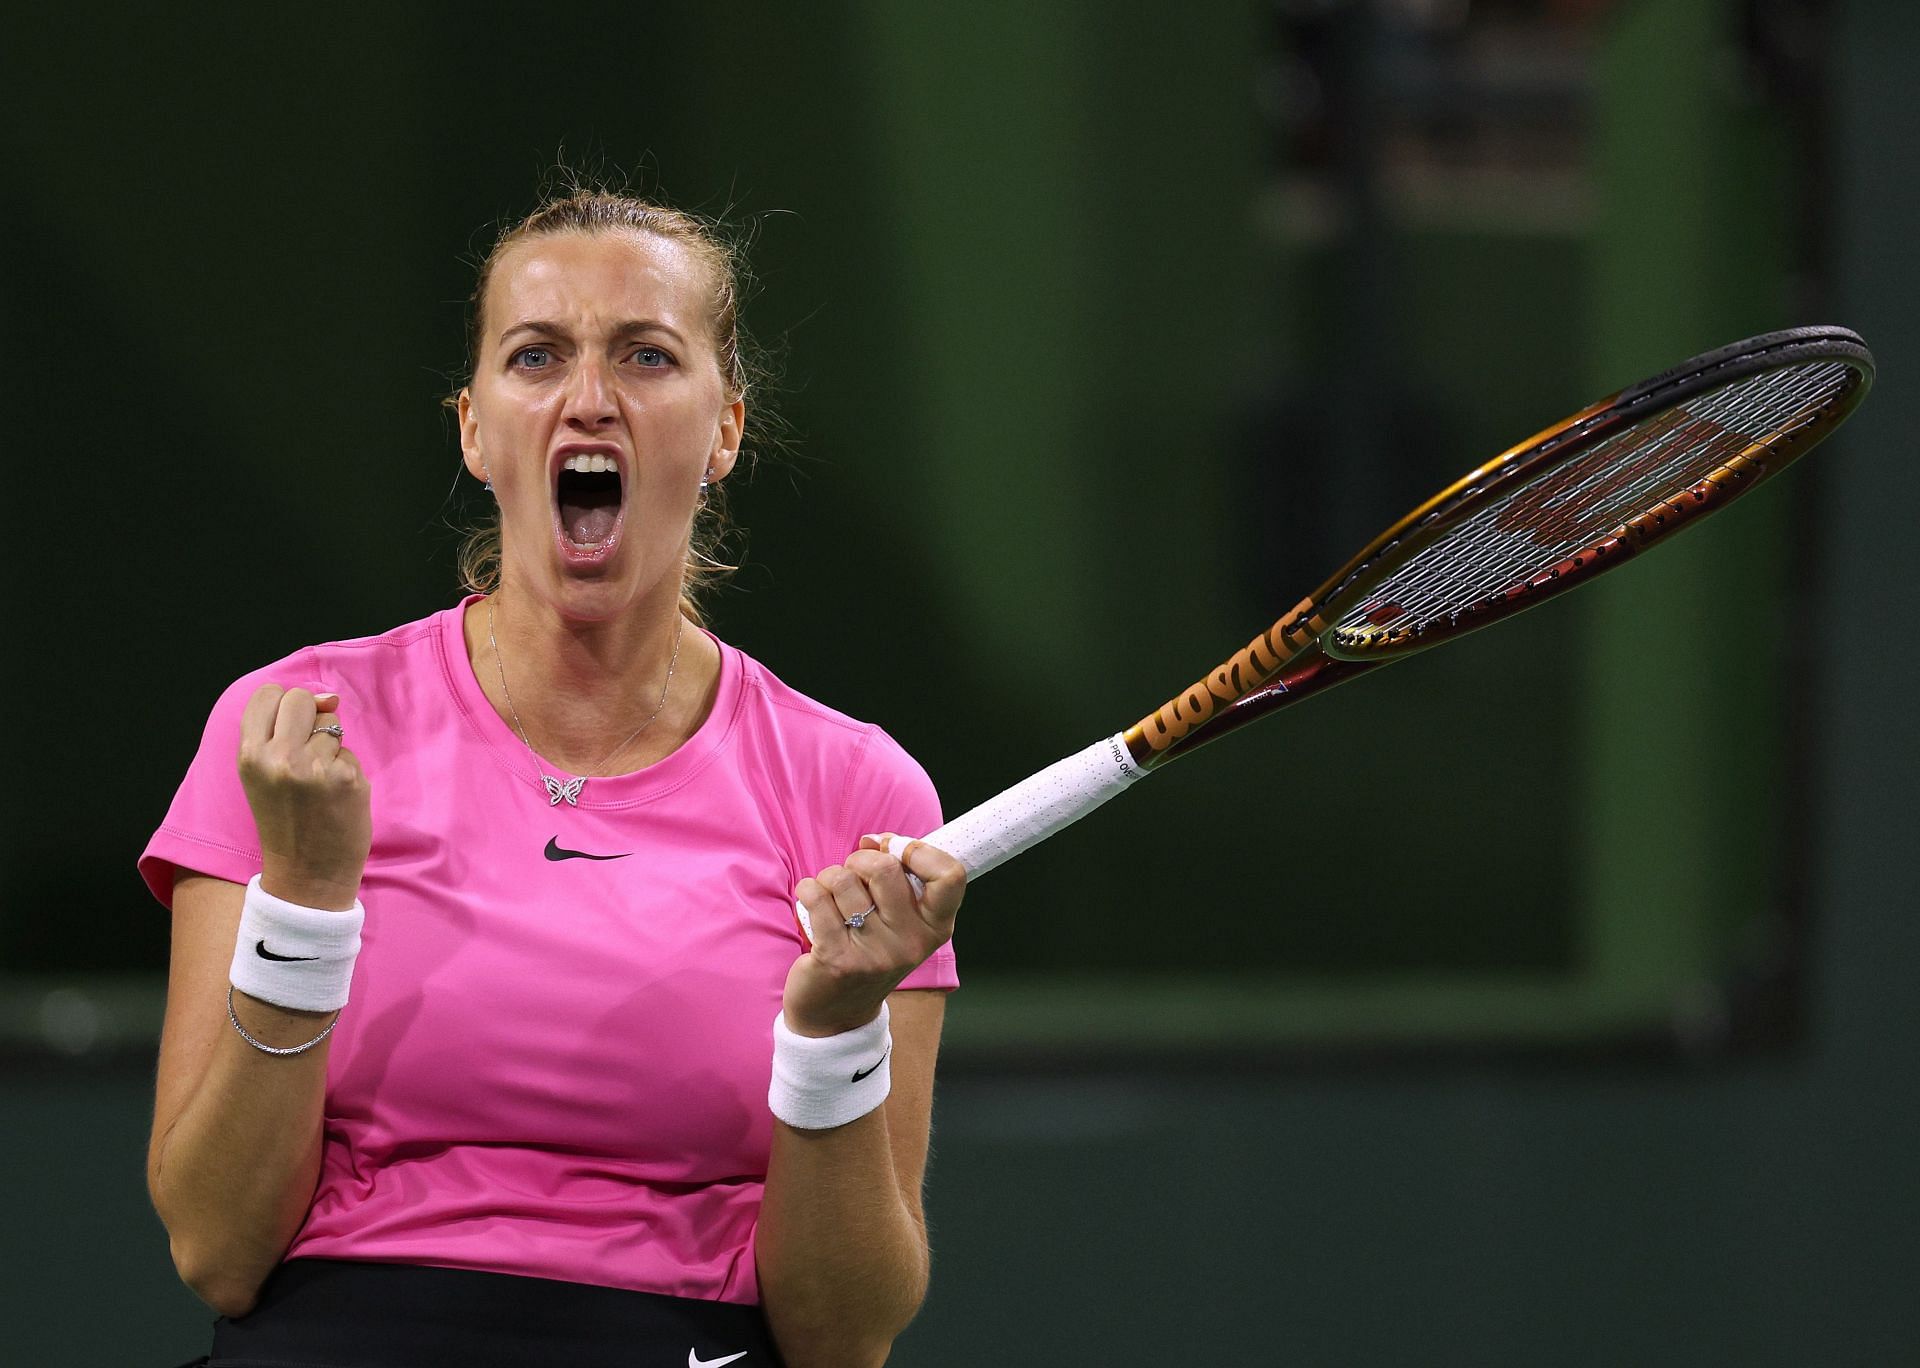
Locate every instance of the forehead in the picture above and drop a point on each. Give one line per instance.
(589, 281)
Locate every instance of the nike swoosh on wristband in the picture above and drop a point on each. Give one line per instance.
(695, 1361)
(871, 1067)
(260, 949)
(556, 851)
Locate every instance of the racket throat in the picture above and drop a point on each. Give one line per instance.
(1308, 674)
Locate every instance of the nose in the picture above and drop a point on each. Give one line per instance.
(590, 395)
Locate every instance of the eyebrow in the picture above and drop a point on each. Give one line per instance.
(625, 328)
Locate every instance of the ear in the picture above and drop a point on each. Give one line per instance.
(470, 452)
(726, 441)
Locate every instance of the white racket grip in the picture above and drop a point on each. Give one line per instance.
(987, 836)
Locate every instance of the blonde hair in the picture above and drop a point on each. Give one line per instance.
(597, 209)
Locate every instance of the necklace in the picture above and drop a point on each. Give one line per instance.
(569, 791)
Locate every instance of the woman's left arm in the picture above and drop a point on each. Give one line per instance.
(842, 1243)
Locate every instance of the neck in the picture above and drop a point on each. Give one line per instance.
(580, 689)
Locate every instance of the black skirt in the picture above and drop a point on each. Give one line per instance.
(327, 1313)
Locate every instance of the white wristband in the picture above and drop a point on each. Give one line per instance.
(820, 1082)
(294, 956)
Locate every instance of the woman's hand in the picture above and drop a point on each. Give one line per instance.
(841, 982)
(309, 798)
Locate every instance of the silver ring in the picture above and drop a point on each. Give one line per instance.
(859, 919)
(333, 729)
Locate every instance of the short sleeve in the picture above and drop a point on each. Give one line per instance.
(889, 791)
(209, 828)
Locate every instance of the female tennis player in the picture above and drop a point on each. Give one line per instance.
(490, 1036)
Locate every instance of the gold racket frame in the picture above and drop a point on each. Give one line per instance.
(1305, 652)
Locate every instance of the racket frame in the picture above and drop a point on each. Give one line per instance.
(1306, 652)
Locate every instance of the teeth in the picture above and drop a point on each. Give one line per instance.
(590, 465)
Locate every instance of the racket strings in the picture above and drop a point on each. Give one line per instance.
(1565, 520)
(1590, 499)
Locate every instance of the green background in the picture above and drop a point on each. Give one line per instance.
(1310, 1051)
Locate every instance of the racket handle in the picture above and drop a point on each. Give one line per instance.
(987, 836)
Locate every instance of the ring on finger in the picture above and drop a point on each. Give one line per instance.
(859, 919)
(333, 729)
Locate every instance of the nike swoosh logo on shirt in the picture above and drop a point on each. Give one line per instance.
(556, 851)
(695, 1361)
(260, 949)
(871, 1067)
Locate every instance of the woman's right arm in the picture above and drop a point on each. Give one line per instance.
(235, 1152)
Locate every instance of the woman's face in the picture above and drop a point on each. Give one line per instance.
(596, 406)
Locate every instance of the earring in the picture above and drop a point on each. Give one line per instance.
(488, 477)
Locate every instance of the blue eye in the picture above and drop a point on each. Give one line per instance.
(652, 358)
(530, 358)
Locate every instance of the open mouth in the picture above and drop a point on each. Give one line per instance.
(588, 495)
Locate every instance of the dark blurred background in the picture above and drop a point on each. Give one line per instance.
(1542, 1002)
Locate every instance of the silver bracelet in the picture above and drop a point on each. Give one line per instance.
(263, 1047)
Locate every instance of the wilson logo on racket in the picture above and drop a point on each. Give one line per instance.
(1576, 495)
(1239, 675)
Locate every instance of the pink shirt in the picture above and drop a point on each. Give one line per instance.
(551, 1065)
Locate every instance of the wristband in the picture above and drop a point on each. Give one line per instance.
(294, 956)
(820, 1082)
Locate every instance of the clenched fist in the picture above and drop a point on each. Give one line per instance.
(308, 795)
(841, 982)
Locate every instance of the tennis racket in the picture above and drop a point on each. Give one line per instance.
(1566, 505)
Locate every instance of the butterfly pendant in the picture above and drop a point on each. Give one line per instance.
(556, 790)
